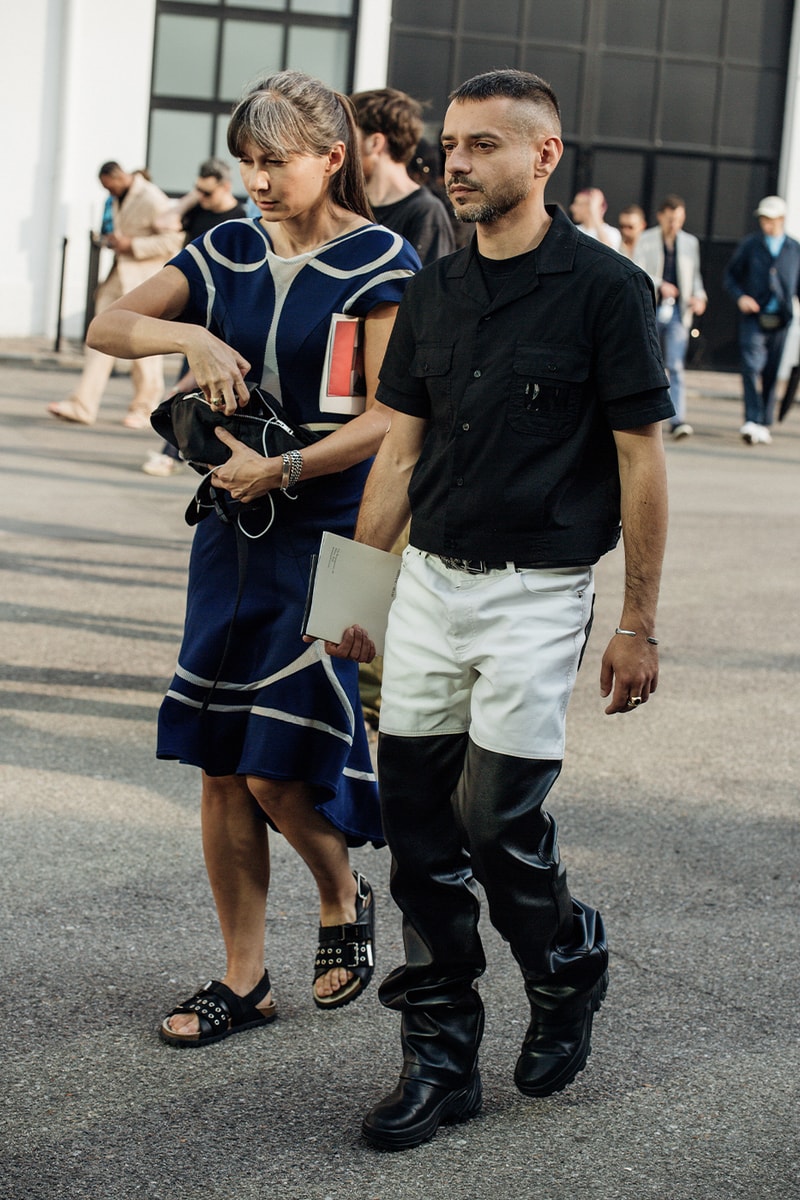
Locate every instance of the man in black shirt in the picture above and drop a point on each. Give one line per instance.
(390, 124)
(210, 202)
(527, 391)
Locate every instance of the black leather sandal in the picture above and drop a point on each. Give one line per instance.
(349, 946)
(220, 1013)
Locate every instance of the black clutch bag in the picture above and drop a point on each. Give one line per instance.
(187, 422)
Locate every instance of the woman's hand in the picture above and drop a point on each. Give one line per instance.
(246, 475)
(219, 370)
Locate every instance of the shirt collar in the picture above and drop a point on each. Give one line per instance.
(554, 254)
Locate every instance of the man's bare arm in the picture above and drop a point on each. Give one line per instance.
(384, 509)
(630, 663)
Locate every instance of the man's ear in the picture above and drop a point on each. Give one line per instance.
(374, 143)
(549, 155)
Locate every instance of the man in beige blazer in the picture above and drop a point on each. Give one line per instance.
(146, 235)
(671, 257)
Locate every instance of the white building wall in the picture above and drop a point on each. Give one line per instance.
(789, 174)
(76, 93)
(372, 48)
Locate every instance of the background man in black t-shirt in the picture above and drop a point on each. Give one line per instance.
(527, 392)
(390, 123)
(210, 202)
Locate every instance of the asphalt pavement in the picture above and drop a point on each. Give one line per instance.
(679, 821)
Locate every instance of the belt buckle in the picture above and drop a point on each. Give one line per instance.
(469, 565)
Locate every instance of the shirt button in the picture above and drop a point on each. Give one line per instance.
(465, 426)
(459, 482)
(476, 374)
(552, 366)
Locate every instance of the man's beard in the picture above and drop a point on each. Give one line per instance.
(490, 208)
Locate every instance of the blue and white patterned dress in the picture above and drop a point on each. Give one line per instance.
(282, 709)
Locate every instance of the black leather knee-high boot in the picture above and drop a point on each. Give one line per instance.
(558, 942)
(432, 884)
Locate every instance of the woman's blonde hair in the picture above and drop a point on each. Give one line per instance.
(290, 113)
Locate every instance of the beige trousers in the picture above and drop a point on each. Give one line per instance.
(147, 374)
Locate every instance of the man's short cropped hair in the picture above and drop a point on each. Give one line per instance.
(110, 168)
(394, 114)
(672, 201)
(214, 168)
(517, 85)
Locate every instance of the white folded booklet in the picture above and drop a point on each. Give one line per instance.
(351, 584)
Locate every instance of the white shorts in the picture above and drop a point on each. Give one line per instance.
(493, 655)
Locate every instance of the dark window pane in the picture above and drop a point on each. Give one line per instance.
(499, 17)
(740, 186)
(473, 58)
(563, 70)
(691, 179)
(440, 15)
(561, 22)
(627, 87)
(693, 28)
(688, 101)
(632, 23)
(620, 175)
(421, 67)
(759, 31)
(752, 110)
(561, 185)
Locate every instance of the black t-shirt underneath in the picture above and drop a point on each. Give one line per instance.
(198, 220)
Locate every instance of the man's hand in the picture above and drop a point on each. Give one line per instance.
(119, 242)
(355, 643)
(629, 672)
(747, 304)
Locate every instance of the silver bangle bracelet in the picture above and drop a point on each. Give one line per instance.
(292, 469)
(632, 633)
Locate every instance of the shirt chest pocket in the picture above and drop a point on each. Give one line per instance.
(432, 364)
(548, 391)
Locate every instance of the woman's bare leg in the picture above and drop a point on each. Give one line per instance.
(236, 850)
(290, 805)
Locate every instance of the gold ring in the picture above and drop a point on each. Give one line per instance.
(634, 701)
(219, 402)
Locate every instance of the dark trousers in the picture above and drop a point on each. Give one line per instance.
(454, 813)
(761, 352)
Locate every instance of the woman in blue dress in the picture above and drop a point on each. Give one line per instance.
(279, 735)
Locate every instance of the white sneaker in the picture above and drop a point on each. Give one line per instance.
(749, 433)
(682, 430)
(160, 464)
(763, 435)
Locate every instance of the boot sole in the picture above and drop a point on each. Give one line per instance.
(459, 1107)
(576, 1065)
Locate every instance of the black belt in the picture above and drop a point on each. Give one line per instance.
(477, 566)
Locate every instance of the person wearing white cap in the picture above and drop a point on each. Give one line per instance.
(763, 277)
